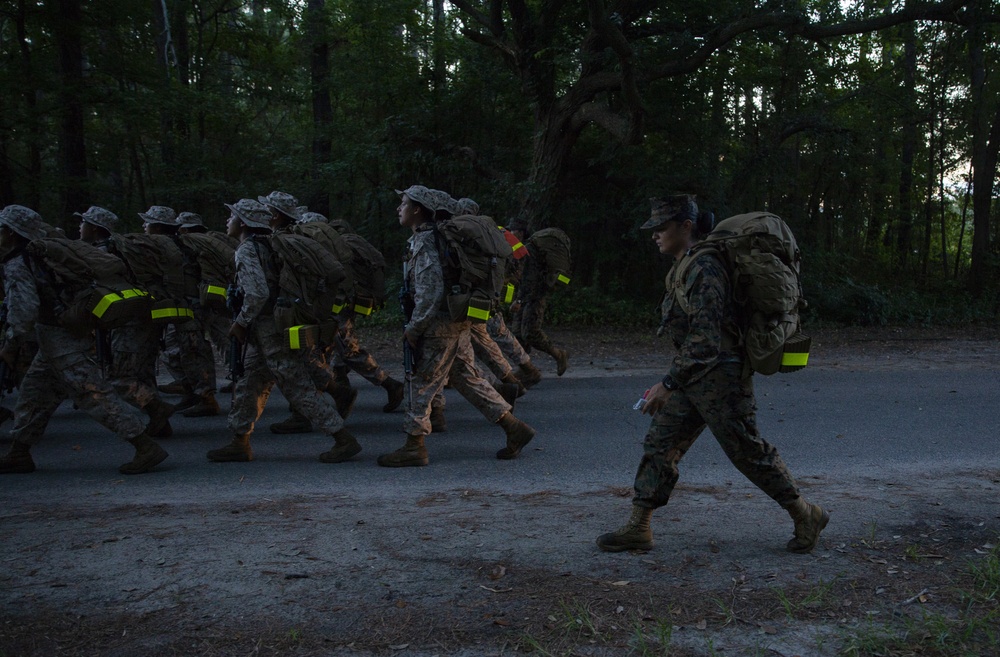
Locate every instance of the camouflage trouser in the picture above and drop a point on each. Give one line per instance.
(133, 366)
(446, 355)
(270, 361)
(527, 325)
(724, 401)
(353, 355)
(189, 356)
(487, 351)
(509, 346)
(63, 368)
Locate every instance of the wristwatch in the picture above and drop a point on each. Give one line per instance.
(669, 383)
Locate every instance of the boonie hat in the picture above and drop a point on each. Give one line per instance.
(311, 217)
(466, 206)
(159, 214)
(251, 213)
(678, 207)
(100, 217)
(190, 220)
(284, 203)
(432, 199)
(24, 221)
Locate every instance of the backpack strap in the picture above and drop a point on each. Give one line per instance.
(676, 287)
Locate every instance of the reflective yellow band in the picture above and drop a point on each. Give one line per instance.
(794, 359)
(293, 337)
(508, 294)
(563, 278)
(133, 293)
(363, 310)
(517, 246)
(163, 313)
(337, 308)
(215, 289)
(105, 303)
(478, 313)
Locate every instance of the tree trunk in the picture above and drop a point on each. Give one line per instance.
(904, 218)
(66, 23)
(319, 70)
(984, 157)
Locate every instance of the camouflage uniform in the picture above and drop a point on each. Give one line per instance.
(269, 360)
(63, 367)
(504, 338)
(446, 350)
(534, 293)
(713, 391)
(352, 354)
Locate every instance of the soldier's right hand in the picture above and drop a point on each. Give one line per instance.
(239, 332)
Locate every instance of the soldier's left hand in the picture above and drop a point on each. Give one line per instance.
(239, 332)
(656, 399)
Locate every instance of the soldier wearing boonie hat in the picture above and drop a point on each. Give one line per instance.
(271, 361)
(100, 217)
(432, 199)
(311, 217)
(159, 214)
(466, 206)
(62, 367)
(283, 203)
(190, 222)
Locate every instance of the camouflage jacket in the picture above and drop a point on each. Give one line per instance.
(426, 279)
(22, 299)
(532, 274)
(253, 258)
(707, 336)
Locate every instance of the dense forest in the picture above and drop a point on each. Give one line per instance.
(871, 127)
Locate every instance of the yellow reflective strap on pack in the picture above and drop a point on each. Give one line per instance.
(563, 278)
(293, 337)
(515, 247)
(794, 359)
(215, 289)
(363, 310)
(105, 303)
(508, 294)
(337, 308)
(133, 293)
(162, 313)
(478, 313)
(186, 312)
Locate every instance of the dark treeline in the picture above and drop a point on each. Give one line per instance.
(872, 128)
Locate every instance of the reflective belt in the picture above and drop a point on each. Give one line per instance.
(563, 278)
(478, 313)
(363, 310)
(338, 308)
(792, 359)
(108, 299)
(164, 313)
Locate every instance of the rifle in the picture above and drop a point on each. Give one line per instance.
(236, 358)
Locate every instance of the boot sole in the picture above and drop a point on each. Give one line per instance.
(274, 428)
(625, 548)
(404, 464)
(824, 520)
(147, 465)
(340, 458)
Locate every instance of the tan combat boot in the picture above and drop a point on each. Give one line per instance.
(529, 374)
(206, 406)
(519, 434)
(394, 390)
(438, 423)
(562, 361)
(148, 454)
(810, 520)
(294, 423)
(345, 445)
(512, 379)
(159, 413)
(237, 450)
(174, 388)
(635, 535)
(508, 391)
(413, 453)
(18, 460)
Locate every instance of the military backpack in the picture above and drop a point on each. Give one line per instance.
(157, 264)
(216, 267)
(474, 256)
(551, 249)
(763, 262)
(312, 284)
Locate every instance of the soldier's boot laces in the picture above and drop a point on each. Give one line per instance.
(344, 397)
(518, 433)
(438, 423)
(511, 378)
(413, 453)
(394, 391)
(18, 460)
(206, 406)
(345, 445)
(562, 361)
(159, 413)
(634, 535)
(148, 454)
(237, 450)
(294, 423)
(529, 374)
(810, 520)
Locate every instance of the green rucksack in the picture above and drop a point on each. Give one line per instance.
(311, 282)
(216, 267)
(327, 236)
(474, 255)
(91, 286)
(763, 262)
(157, 264)
(551, 249)
(368, 265)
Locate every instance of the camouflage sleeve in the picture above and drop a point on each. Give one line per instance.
(252, 280)
(21, 297)
(428, 281)
(707, 291)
